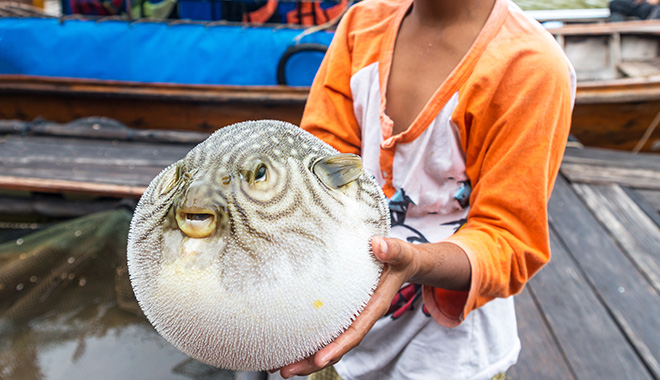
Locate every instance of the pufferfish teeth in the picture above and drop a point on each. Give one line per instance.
(196, 225)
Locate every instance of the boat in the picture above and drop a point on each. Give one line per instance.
(178, 74)
(618, 95)
(194, 76)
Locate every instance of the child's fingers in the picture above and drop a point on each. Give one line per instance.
(303, 367)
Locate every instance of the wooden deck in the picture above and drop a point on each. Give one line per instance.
(592, 313)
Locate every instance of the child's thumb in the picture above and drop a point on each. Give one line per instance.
(389, 251)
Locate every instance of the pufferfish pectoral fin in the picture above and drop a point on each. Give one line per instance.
(170, 177)
(338, 170)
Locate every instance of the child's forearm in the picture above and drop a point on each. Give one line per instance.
(440, 265)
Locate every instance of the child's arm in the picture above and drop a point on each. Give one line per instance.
(514, 134)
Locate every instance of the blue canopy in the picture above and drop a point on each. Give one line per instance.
(154, 51)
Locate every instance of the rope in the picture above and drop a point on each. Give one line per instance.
(647, 134)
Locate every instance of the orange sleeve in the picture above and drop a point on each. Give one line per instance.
(514, 125)
(329, 109)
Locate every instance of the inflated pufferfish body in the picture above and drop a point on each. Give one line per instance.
(253, 251)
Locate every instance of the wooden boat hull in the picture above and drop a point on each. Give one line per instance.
(617, 114)
(147, 105)
(612, 114)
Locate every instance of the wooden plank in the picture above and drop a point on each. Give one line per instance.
(16, 149)
(98, 167)
(88, 166)
(639, 178)
(651, 197)
(635, 232)
(647, 200)
(619, 94)
(218, 94)
(651, 27)
(64, 186)
(612, 158)
(46, 161)
(99, 128)
(581, 323)
(628, 296)
(540, 357)
(138, 176)
(640, 69)
(602, 166)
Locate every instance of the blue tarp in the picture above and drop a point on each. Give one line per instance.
(154, 52)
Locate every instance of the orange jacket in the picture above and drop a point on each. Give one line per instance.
(515, 93)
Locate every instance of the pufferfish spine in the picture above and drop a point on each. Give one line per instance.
(253, 251)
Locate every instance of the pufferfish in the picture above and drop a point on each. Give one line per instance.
(253, 251)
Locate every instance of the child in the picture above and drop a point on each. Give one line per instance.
(461, 110)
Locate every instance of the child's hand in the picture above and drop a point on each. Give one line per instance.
(442, 265)
(400, 265)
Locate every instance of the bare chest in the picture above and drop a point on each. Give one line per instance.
(420, 65)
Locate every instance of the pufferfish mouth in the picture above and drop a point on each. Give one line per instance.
(197, 223)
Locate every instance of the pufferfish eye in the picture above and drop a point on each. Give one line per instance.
(254, 171)
(260, 174)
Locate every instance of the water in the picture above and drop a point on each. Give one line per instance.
(560, 4)
(67, 310)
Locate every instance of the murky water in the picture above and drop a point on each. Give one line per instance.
(91, 342)
(67, 310)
